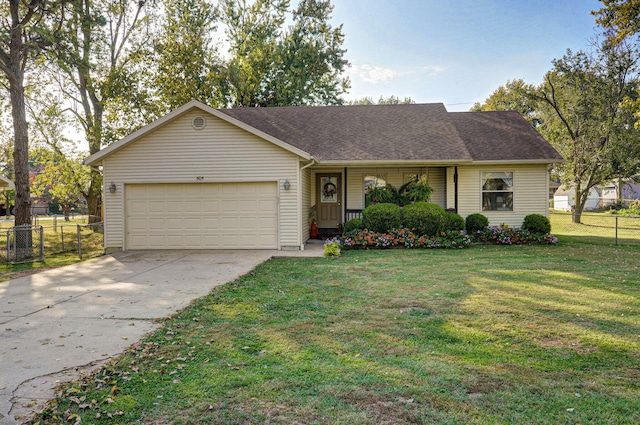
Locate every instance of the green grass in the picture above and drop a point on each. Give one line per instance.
(60, 246)
(596, 228)
(487, 335)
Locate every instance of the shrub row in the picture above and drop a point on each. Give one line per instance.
(425, 219)
(423, 225)
(422, 218)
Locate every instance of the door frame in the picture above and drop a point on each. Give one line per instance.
(339, 198)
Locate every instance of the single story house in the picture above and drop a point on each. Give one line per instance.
(251, 178)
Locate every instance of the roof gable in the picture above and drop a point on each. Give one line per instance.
(97, 158)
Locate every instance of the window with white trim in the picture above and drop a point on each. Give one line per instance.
(497, 191)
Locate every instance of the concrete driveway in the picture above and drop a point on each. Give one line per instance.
(58, 324)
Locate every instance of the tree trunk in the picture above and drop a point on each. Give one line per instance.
(22, 208)
(581, 197)
(67, 213)
(576, 215)
(94, 197)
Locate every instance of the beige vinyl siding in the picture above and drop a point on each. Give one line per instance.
(451, 187)
(221, 152)
(437, 180)
(530, 193)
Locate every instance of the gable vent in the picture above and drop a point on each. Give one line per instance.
(198, 122)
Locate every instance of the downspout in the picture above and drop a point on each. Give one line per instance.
(312, 162)
(455, 194)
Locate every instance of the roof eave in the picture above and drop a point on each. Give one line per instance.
(391, 162)
(518, 161)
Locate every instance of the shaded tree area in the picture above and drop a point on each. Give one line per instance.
(27, 29)
(584, 108)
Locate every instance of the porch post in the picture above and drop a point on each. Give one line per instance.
(455, 186)
(344, 205)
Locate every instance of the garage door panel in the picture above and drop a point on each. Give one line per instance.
(208, 216)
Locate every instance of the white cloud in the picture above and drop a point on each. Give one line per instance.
(373, 74)
(433, 69)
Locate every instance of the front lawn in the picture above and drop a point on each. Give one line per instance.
(487, 335)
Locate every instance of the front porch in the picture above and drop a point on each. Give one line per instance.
(337, 195)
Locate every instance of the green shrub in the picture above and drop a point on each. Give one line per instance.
(453, 221)
(381, 217)
(424, 218)
(475, 222)
(537, 223)
(353, 224)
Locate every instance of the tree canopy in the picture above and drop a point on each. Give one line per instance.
(271, 65)
(584, 107)
(619, 18)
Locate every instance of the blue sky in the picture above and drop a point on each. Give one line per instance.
(456, 51)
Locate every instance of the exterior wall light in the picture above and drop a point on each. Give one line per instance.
(286, 185)
(112, 187)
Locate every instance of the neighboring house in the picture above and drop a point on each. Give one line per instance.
(245, 178)
(565, 199)
(630, 192)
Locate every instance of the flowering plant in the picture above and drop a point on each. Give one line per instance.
(507, 236)
(403, 238)
(332, 247)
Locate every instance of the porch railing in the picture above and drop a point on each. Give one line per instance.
(350, 214)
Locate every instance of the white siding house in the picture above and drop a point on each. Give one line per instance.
(250, 178)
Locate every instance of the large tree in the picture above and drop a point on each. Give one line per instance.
(584, 107)
(515, 95)
(184, 58)
(583, 115)
(270, 65)
(28, 27)
(100, 37)
(309, 60)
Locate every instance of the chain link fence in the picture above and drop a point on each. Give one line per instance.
(597, 228)
(53, 236)
(25, 244)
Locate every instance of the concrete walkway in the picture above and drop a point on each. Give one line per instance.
(59, 324)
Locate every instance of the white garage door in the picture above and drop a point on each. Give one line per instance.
(202, 216)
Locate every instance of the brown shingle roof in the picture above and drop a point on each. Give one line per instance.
(501, 136)
(425, 132)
